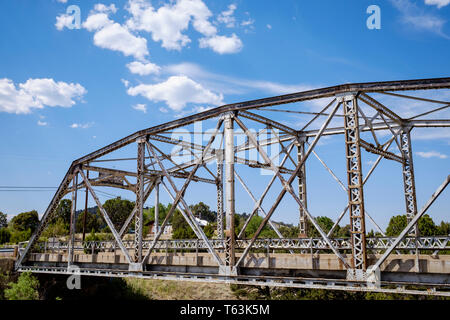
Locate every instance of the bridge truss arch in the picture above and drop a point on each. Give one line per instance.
(366, 115)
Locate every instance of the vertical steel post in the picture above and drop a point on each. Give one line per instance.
(355, 185)
(229, 187)
(157, 207)
(303, 227)
(72, 220)
(409, 184)
(138, 221)
(219, 184)
(85, 208)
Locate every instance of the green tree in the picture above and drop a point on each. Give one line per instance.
(427, 227)
(20, 236)
(325, 224)
(93, 222)
(63, 211)
(25, 221)
(26, 288)
(56, 229)
(398, 223)
(343, 232)
(443, 229)
(180, 228)
(202, 211)
(149, 214)
(5, 235)
(3, 220)
(289, 232)
(372, 234)
(118, 211)
(253, 226)
(210, 229)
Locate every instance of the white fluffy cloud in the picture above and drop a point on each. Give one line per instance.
(431, 154)
(417, 17)
(37, 93)
(168, 23)
(143, 69)
(437, 3)
(125, 82)
(222, 44)
(82, 125)
(232, 85)
(109, 34)
(226, 17)
(117, 38)
(50, 93)
(112, 35)
(64, 21)
(140, 107)
(177, 92)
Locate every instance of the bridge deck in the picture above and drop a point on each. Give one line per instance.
(398, 267)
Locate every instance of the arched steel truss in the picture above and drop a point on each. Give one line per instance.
(346, 104)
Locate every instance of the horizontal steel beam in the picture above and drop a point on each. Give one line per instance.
(374, 243)
(419, 84)
(395, 287)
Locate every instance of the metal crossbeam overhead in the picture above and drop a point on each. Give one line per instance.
(380, 108)
(234, 256)
(421, 84)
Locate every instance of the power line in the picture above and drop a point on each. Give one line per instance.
(21, 187)
(40, 189)
(24, 190)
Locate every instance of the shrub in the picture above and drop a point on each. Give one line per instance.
(26, 288)
(5, 235)
(20, 236)
(56, 229)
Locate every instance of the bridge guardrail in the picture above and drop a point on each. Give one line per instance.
(381, 243)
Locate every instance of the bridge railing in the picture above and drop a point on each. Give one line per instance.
(376, 244)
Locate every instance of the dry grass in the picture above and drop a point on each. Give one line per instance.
(180, 290)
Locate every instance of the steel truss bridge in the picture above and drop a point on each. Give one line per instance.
(409, 263)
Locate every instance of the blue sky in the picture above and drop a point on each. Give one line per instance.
(65, 92)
